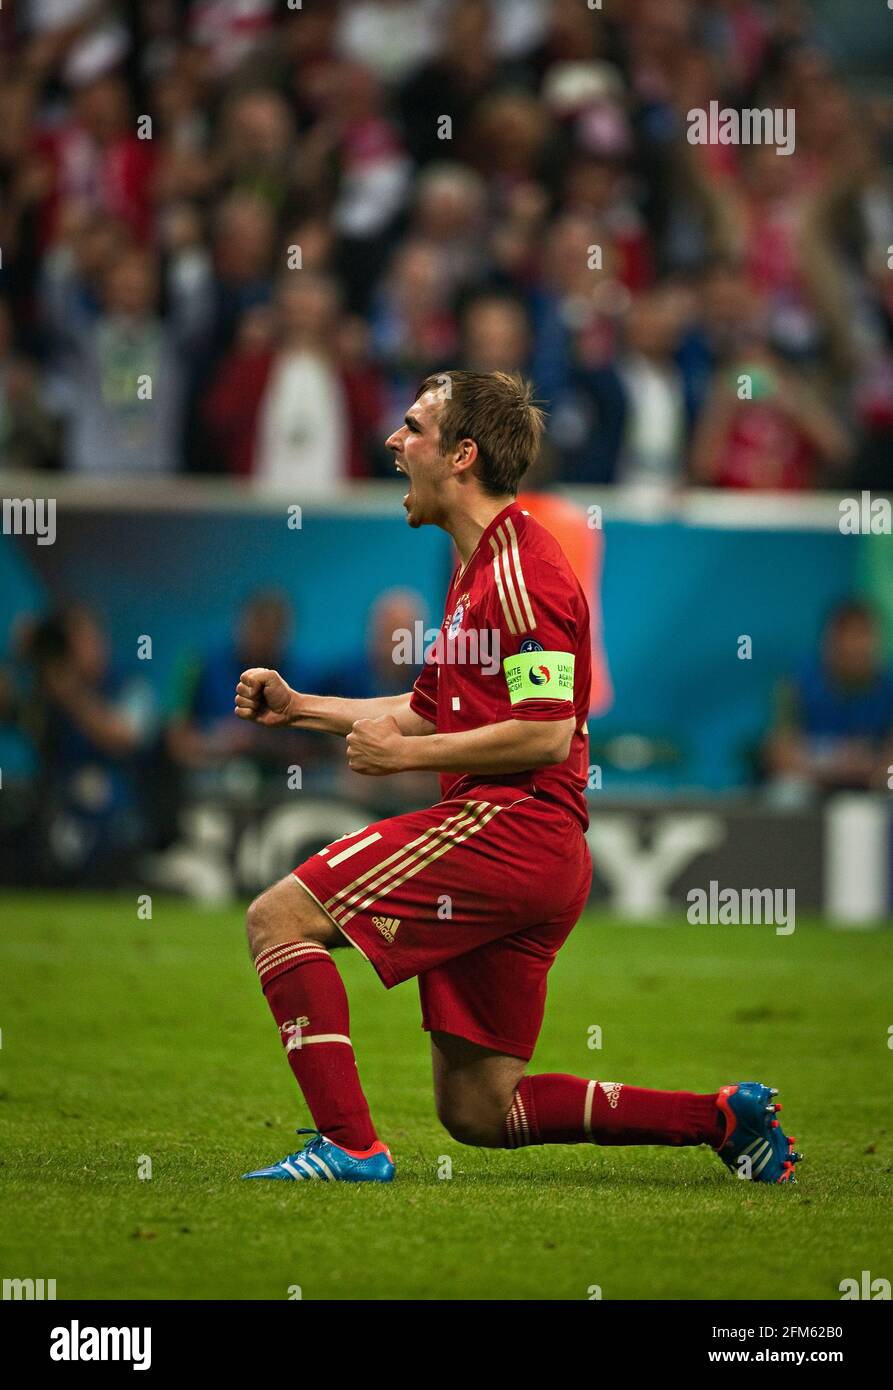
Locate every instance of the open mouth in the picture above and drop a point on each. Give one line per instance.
(400, 469)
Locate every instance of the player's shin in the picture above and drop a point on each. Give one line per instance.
(309, 1003)
(558, 1109)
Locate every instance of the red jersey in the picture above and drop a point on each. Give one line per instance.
(514, 644)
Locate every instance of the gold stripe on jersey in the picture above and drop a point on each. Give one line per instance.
(442, 839)
(508, 578)
(528, 611)
(507, 612)
(387, 868)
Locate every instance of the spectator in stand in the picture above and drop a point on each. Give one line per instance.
(203, 739)
(834, 721)
(393, 37)
(856, 216)
(388, 665)
(738, 32)
(782, 253)
(576, 312)
(763, 426)
(299, 60)
(98, 160)
(495, 335)
(572, 36)
(119, 373)
(394, 627)
(354, 156)
(273, 127)
(182, 132)
(244, 243)
(230, 31)
(449, 216)
(452, 83)
(725, 315)
(286, 407)
(30, 435)
(25, 180)
(599, 188)
(73, 273)
(240, 279)
(496, 338)
(653, 448)
(256, 148)
(577, 305)
(94, 724)
(511, 141)
(414, 328)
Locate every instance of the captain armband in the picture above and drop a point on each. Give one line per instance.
(539, 676)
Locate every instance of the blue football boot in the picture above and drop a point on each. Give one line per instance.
(325, 1161)
(755, 1146)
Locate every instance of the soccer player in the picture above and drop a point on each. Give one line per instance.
(475, 895)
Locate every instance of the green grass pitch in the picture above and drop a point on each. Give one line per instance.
(124, 1038)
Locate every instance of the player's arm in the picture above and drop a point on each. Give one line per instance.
(336, 716)
(542, 720)
(377, 747)
(263, 697)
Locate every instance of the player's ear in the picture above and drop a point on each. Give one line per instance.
(466, 454)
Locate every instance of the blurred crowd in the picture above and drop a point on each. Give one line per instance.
(833, 724)
(113, 760)
(116, 764)
(236, 234)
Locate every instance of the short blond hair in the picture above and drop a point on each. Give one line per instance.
(498, 412)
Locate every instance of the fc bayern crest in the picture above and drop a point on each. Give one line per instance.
(458, 616)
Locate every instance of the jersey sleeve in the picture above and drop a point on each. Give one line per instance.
(423, 700)
(539, 638)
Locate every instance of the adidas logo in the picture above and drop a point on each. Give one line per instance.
(387, 926)
(612, 1091)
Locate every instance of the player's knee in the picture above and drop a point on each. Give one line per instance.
(469, 1123)
(258, 924)
(271, 919)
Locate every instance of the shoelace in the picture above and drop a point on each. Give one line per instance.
(308, 1147)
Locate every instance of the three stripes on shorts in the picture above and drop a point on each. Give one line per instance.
(390, 873)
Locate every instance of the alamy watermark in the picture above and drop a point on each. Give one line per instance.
(865, 515)
(77, 1343)
(457, 646)
(39, 1289)
(866, 1287)
(727, 126)
(30, 516)
(742, 906)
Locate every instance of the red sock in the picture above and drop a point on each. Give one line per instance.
(556, 1109)
(309, 1002)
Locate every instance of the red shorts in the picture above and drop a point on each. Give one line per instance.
(473, 895)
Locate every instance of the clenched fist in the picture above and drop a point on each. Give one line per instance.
(376, 746)
(265, 698)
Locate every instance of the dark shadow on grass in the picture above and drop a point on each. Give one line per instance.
(556, 1182)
